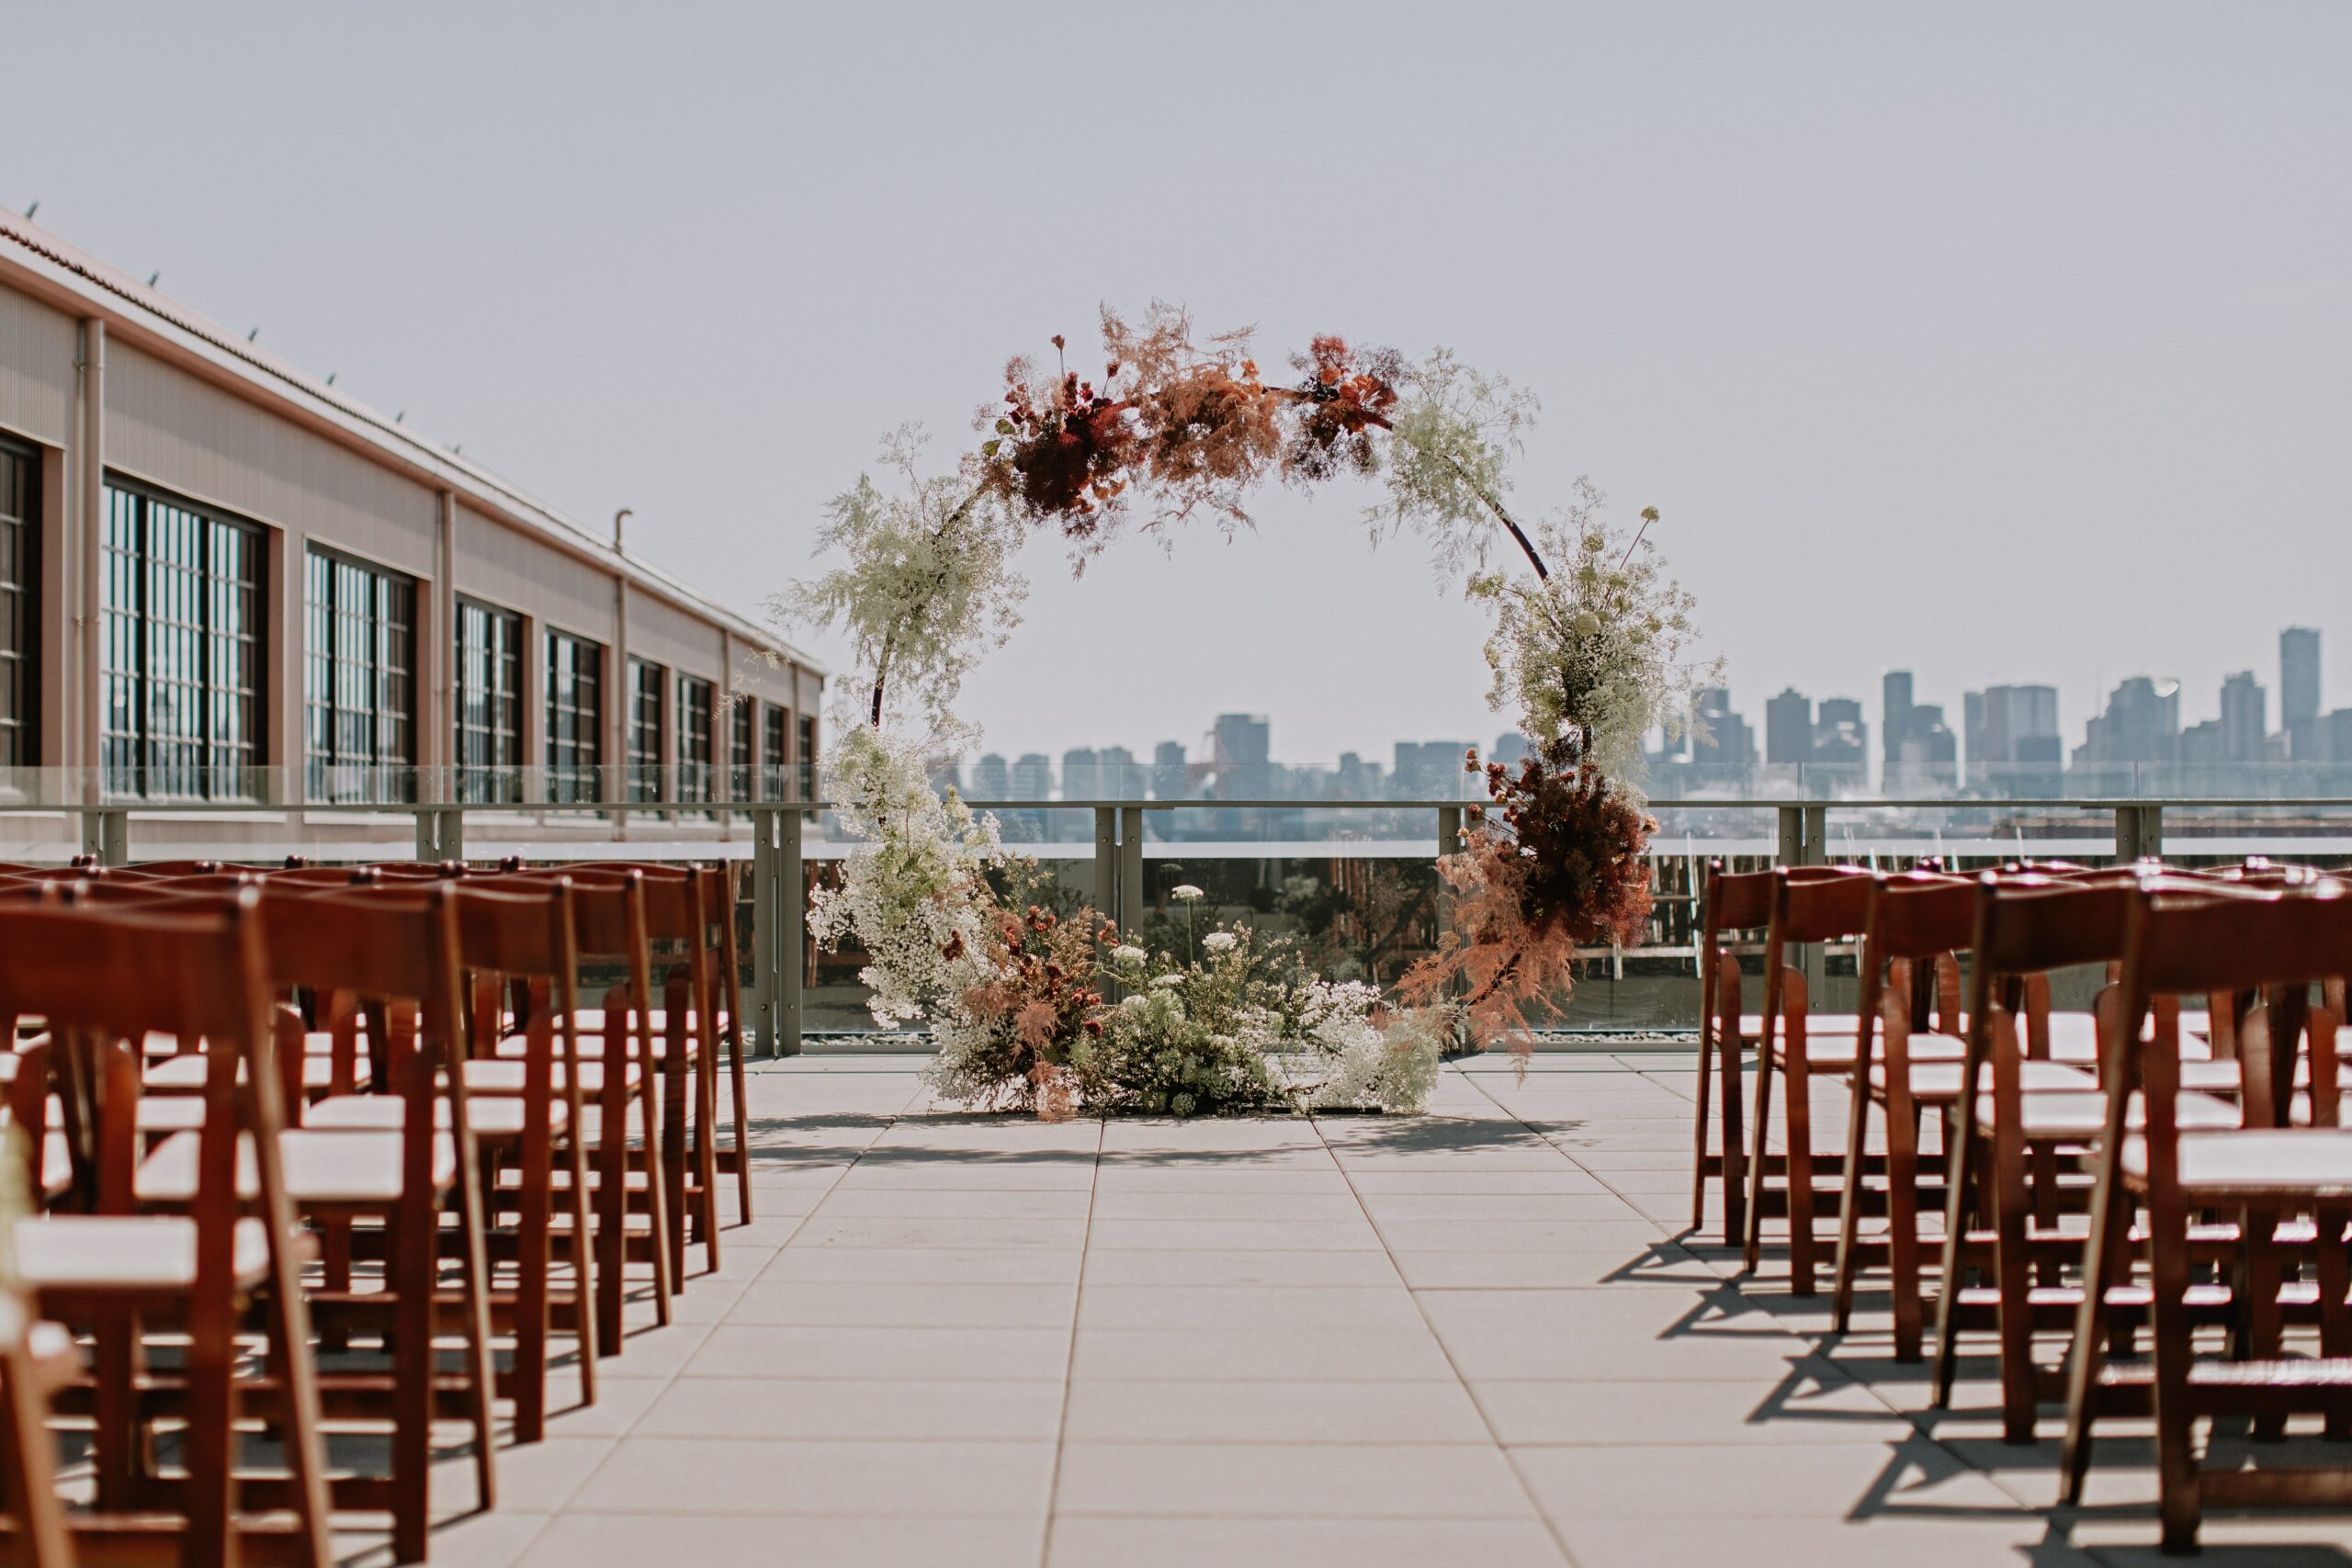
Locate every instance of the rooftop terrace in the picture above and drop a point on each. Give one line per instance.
(1471, 1336)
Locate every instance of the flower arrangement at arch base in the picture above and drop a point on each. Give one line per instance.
(1016, 993)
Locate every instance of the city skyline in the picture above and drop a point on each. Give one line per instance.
(2017, 728)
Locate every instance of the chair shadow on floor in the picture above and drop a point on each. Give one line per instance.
(1934, 1447)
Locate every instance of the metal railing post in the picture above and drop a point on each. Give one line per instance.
(1131, 889)
(1106, 862)
(107, 834)
(766, 911)
(2139, 832)
(791, 931)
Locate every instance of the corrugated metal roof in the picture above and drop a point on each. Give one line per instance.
(81, 273)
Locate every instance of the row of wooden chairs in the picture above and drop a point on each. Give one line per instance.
(395, 1060)
(2191, 1121)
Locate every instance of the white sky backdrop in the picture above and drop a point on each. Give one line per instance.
(2005, 343)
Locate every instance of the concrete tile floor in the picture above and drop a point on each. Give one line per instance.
(1481, 1335)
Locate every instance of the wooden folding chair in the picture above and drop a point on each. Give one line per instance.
(2196, 943)
(1918, 925)
(1735, 902)
(2006, 1189)
(101, 977)
(616, 1069)
(386, 1184)
(522, 1111)
(1805, 909)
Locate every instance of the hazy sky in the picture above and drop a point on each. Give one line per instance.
(2003, 342)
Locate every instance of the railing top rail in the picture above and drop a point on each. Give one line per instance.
(697, 806)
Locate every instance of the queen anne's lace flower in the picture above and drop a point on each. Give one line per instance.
(1125, 955)
(1185, 893)
(1218, 941)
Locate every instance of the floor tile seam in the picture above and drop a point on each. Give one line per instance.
(671, 1379)
(1575, 1163)
(1494, 1435)
(1069, 1362)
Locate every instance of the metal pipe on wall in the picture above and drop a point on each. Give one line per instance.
(89, 696)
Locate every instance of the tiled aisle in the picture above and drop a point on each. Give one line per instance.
(967, 1342)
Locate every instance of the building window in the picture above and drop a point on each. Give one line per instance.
(489, 667)
(742, 723)
(807, 755)
(19, 620)
(359, 681)
(575, 718)
(181, 591)
(644, 730)
(693, 739)
(774, 779)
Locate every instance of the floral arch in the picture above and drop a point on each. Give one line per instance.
(1589, 651)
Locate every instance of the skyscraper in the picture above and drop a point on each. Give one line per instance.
(1788, 728)
(2013, 739)
(1727, 742)
(2299, 697)
(1168, 777)
(1243, 742)
(1839, 735)
(1895, 713)
(2142, 724)
(2246, 715)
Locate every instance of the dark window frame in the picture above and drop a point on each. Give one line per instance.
(575, 716)
(184, 636)
(20, 603)
(359, 704)
(486, 701)
(696, 699)
(644, 737)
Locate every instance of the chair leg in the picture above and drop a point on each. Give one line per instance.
(1903, 1222)
(609, 1239)
(2013, 1282)
(1734, 1163)
(1849, 1213)
(1798, 1117)
(532, 1265)
(2103, 1258)
(706, 1148)
(210, 1438)
(736, 1078)
(412, 1269)
(674, 1089)
(2335, 1272)
(657, 1192)
(1698, 1160)
(28, 1477)
(587, 1297)
(1753, 1257)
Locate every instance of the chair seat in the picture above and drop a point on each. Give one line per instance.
(1938, 1079)
(490, 1117)
(2071, 1116)
(505, 1076)
(2074, 1037)
(592, 1048)
(331, 1168)
(2210, 1076)
(56, 1158)
(2292, 1162)
(184, 1074)
(106, 1254)
(1816, 1025)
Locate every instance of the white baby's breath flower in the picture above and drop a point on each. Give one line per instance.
(1167, 982)
(1219, 941)
(1125, 955)
(1185, 893)
(1136, 1003)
